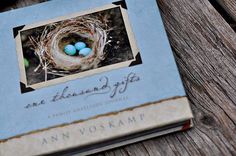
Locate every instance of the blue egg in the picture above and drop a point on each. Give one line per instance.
(80, 45)
(85, 51)
(70, 50)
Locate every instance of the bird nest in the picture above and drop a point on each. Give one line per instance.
(49, 47)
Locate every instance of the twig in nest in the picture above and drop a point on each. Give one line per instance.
(51, 56)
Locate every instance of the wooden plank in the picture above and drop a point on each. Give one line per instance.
(205, 49)
(229, 6)
(20, 4)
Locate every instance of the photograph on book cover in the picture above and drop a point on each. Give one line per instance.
(75, 46)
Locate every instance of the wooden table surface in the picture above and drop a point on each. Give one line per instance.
(203, 37)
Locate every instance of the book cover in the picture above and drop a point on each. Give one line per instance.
(83, 76)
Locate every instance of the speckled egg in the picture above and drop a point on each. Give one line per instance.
(80, 45)
(70, 50)
(85, 52)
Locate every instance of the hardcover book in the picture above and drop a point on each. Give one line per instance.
(84, 76)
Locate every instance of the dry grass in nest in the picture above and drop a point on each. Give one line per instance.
(49, 47)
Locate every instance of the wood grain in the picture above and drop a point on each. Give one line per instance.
(204, 46)
(20, 4)
(229, 6)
